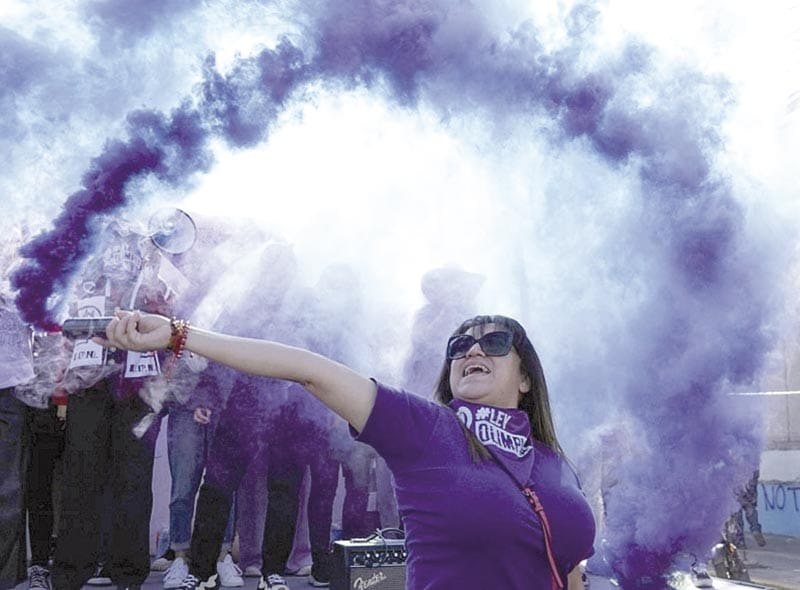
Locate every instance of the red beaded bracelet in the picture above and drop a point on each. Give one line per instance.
(177, 342)
(180, 332)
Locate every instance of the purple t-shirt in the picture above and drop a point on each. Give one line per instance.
(468, 525)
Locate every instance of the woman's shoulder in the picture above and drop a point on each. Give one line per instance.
(396, 401)
(551, 459)
(547, 451)
(402, 395)
(402, 416)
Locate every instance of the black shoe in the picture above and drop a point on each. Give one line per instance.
(759, 537)
(320, 576)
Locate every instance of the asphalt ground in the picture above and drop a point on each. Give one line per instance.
(776, 565)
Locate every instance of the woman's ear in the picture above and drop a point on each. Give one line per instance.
(525, 384)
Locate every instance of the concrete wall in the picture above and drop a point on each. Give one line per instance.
(779, 508)
(782, 421)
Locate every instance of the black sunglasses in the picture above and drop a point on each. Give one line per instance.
(492, 344)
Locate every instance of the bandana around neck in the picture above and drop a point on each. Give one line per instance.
(505, 432)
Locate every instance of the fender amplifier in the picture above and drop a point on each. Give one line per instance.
(375, 563)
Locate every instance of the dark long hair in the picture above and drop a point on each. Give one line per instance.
(535, 403)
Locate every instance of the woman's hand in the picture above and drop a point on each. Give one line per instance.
(132, 330)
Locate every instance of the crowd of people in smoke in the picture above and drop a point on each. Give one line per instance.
(248, 457)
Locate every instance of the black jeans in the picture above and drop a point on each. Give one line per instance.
(225, 469)
(299, 438)
(236, 440)
(100, 451)
(283, 490)
(12, 468)
(46, 435)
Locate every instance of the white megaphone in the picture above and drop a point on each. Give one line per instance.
(172, 230)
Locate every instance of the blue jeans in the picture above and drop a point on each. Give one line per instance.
(187, 447)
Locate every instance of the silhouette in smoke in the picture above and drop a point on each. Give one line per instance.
(368, 502)
(450, 293)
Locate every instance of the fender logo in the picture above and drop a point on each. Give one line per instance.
(363, 583)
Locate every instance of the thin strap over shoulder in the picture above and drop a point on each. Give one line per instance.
(533, 500)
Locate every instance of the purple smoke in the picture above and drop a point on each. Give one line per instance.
(699, 328)
(170, 149)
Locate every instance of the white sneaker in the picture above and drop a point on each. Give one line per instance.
(700, 577)
(175, 574)
(252, 571)
(163, 562)
(230, 576)
(303, 571)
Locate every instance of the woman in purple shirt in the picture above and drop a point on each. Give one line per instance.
(486, 496)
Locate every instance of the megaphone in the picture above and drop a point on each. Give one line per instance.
(172, 230)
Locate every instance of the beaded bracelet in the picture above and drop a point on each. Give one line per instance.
(177, 342)
(180, 332)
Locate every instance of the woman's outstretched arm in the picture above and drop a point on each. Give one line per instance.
(340, 388)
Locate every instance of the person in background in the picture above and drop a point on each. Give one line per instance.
(360, 516)
(747, 496)
(193, 420)
(45, 422)
(450, 294)
(109, 447)
(252, 494)
(338, 295)
(16, 368)
(240, 436)
(299, 437)
(197, 397)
